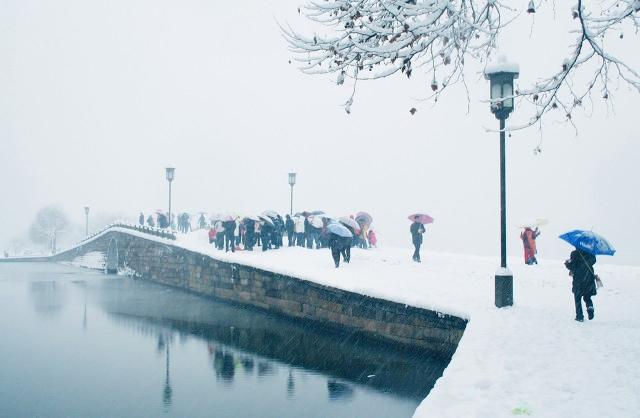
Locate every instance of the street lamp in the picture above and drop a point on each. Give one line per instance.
(501, 75)
(170, 172)
(292, 181)
(86, 221)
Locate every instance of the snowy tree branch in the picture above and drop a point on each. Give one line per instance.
(372, 39)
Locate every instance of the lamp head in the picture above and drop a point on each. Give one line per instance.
(292, 178)
(501, 75)
(170, 171)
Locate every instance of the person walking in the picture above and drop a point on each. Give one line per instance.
(416, 229)
(242, 232)
(212, 235)
(163, 221)
(250, 229)
(528, 237)
(580, 266)
(299, 229)
(290, 227)
(150, 221)
(229, 235)
(278, 231)
(141, 219)
(220, 234)
(339, 245)
(266, 231)
(373, 239)
(202, 223)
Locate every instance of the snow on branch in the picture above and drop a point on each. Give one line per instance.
(371, 39)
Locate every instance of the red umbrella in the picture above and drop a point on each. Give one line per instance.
(423, 218)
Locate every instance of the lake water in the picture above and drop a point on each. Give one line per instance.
(76, 342)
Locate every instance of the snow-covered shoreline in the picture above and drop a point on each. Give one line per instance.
(529, 359)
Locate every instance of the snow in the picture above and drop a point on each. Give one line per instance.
(503, 272)
(502, 65)
(92, 260)
(528, 359)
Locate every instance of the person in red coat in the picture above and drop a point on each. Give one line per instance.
(212, 235)
(373, 240)
(528, 237)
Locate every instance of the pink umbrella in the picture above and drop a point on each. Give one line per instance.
(423, 218)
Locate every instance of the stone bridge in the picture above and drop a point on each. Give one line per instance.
(153, 255)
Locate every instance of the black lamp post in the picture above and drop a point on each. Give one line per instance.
(170, 171)
(501, 76)
(86, 221)
(292, 181)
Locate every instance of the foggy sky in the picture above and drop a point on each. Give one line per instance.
(97, 97)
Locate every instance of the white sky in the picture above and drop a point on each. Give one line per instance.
(96, 97)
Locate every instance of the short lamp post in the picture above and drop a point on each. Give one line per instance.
(501, 75)
(170, 171)
(86, 221)
(292, 182)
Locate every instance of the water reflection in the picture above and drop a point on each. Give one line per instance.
(158, 351)
(291, 384)
(224, 365)
(350, 357)
(167, 392)
(48, 297)
(339, 391)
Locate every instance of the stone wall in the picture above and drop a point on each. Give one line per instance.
(174, 266)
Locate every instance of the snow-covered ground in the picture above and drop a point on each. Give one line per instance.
(530, 359)
(92, 260)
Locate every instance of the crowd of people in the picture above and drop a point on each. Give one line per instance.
(305, 229)
(268, 231)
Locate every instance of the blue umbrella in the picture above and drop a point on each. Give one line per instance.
(339, 229)
(588, 241)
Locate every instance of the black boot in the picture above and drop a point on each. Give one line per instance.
(590, 312)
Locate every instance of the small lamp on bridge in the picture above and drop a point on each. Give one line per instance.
(292, 181)
(170, 172)
(86, 224)
(501, 75)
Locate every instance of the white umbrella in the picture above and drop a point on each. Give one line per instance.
(270, 213)
(315, 221)
(534, 223)
(349, 222)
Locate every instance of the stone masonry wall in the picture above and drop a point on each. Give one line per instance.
(177, 267)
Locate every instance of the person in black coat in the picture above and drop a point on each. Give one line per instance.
(163, 221)
(266, 230)
(229, 235)
(141, 219)
(338, 246)
(416, 229)
(290, 227)
(250, 230)
(346, 251)
(580, 265)
(278, 230)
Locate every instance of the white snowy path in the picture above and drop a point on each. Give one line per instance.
(531, 359)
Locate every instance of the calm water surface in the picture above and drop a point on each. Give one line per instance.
(78, 343)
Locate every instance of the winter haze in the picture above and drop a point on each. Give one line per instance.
(97, 97)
